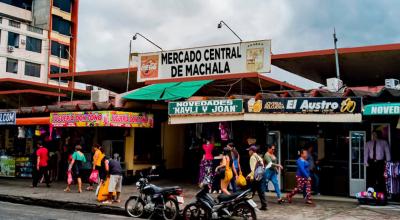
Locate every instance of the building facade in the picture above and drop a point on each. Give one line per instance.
(38, 38)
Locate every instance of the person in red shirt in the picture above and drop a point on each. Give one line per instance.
(42, 164)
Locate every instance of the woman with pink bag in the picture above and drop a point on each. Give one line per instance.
(97, 169)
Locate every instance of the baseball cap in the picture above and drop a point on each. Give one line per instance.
(252, 148)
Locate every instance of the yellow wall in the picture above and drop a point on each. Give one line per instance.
(173, 140)
(129, 149)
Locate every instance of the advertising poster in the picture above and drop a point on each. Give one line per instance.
(244, 57)
(7, 166)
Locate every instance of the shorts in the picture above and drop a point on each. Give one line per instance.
(115, 183)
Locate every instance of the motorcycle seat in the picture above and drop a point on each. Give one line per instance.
(224, 198)
(166, 189)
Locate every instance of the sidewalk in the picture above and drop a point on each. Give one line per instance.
(19, 191)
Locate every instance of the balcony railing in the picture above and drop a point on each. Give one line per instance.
(15, 24)
(35, 29)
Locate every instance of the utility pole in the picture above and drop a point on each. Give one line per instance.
(336, 54)
(129, 65)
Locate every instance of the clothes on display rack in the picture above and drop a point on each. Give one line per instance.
(392, 176)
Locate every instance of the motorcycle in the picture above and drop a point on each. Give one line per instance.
(154, 200)
(238, 204)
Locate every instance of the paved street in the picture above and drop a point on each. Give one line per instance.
(324, 208)
(16, 211)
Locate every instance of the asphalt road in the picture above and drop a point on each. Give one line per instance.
(16, 211)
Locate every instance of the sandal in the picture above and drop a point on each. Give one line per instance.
(280, 201)
(309, 202)
(289, 199)
(67, 190)
(117, 201)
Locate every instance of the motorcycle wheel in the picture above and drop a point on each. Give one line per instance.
(195, 211)
(171, 211)
(244, 211)
(134, 207)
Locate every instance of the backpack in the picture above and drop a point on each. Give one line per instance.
(259, 170)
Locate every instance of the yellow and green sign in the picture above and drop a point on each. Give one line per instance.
(201, 107)
(382, 109)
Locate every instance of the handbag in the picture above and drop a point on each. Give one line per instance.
(221, 173)
(241, 181)
(259, 170)
(69, 178)
(94, 176)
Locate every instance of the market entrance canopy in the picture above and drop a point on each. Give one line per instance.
(382, 109)
(167, 91)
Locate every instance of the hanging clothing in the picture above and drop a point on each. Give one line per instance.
(392, 176)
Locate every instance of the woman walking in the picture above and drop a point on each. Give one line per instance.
(224, 169)
(271, 173)
(303, 178)
(75, 166)
(97, 157)
(237, 170)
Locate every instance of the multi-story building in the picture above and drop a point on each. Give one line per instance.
(38, 38)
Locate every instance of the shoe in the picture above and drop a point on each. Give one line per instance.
(309, 202)
(288, 198)
(280, 201)
(264, 208)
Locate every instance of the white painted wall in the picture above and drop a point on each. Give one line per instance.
(21, 54)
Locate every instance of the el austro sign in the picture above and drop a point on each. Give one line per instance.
(350, 105)
(244, 57)
(226, 106)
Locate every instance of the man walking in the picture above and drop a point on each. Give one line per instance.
(114, 169)
(257, 185)
(41, 165)
(375, 154)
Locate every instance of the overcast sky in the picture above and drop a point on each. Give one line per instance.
(105, 26)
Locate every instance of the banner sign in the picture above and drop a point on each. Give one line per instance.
(102, 119)
(8, 118)
(350, 105)
(228, 106)
(244, 57)
(382, 109)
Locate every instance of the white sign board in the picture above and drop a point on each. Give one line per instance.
(244, 57)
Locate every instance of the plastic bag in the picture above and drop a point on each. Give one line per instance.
(69, 179)
(94, 176)
(241, 181)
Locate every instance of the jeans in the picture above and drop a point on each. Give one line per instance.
(259, 187)
(272, 175)
(43, 171)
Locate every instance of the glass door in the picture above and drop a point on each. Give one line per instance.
(356, 162)
(274, 138)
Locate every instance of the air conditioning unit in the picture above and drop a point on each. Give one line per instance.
(100, 96)
(334, 84)
(391, 83)
(10, 49)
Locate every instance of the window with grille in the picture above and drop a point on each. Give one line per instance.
(35, 29)
(33, 44)
(15, 24)
(12, 65)
(32, 69)
(55, 50)
(13, 39)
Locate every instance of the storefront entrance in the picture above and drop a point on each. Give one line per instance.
(356, 163)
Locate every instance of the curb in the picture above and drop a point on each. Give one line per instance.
(84, 207)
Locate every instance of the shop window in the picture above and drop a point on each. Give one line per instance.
(13, 39)
(64, 5)
(56, 47)
(56, 69)
(33, 44)
(12, 65)
(32, 69)
(61, 26)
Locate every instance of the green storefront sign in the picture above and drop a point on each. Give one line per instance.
(226, 106)
(382, 109)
